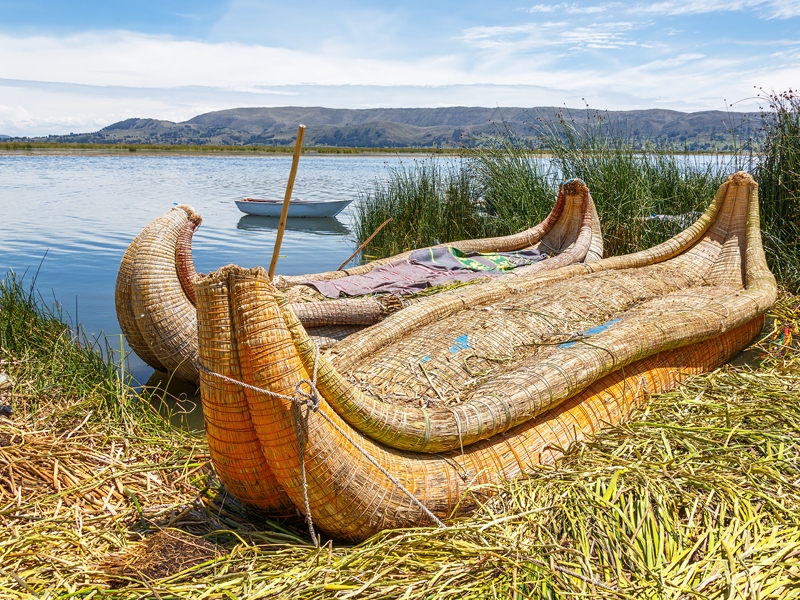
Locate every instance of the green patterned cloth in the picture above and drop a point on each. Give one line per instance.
(425, 268)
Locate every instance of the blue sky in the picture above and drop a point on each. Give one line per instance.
(81, 65)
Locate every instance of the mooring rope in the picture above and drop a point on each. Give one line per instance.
(311, 399)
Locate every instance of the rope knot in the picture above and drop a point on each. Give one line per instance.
(312, 399)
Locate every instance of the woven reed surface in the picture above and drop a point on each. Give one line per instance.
(184, 261)
(233, 444)
(480, 371)
(122, 300)
(345, 311)
(442, 305)
(326, 336)
(154, 312)
(349, 497)
(163, 315)
(570, 197)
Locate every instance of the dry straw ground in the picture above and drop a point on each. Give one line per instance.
(697, 496)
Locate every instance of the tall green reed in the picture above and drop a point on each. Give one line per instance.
(515, 186)
(505, 185)
(779, 186)
(59, 372)
(49, 358)
(630, 183)
(427, 201)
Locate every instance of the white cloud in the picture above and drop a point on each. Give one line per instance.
(785, 10)
(131, 59)
(782, 9)
(85, 82)
(546, 8)
(15, 118)
(573, 9)
(537, 35)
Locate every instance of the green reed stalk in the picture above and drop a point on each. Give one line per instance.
(779, 183)
(61, 371)
(629, 182)
(516, 187)
(427, 202)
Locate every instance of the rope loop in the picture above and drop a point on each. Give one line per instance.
(312, 399)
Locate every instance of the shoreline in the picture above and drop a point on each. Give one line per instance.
(110, 152)
(29, 148)
(49, 149)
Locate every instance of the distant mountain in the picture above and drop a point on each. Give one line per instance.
(416, 127)
(5, 137)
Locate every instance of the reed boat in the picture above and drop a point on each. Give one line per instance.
(398, 425)
(155, 297)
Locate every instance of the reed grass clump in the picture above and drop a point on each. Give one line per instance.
(514, 185)
(505, 184)
(696, 496)
(40, 348)
(643, 194)
(779, 181)
(428, 203)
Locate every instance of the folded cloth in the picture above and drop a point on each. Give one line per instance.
(425, 268)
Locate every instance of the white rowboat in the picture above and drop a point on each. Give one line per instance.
(297, 208)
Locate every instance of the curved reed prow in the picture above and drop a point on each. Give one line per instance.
(154, 308)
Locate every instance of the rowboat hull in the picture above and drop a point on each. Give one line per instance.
(351, 474)
(297, 208)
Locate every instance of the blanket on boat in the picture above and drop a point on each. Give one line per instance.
(425, 268)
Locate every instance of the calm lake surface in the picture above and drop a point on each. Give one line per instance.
(81, 212)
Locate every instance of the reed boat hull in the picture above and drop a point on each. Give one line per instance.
(333, 459)
(155, 298)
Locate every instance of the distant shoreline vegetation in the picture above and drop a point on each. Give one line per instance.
(18, 146)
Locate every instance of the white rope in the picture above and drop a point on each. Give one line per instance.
(312, 401)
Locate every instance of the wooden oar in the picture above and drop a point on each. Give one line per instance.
(298, 146)
(362, 246)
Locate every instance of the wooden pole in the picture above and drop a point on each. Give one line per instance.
(361, 247)
(287, 198)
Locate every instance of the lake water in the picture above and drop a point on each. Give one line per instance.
(83, 211)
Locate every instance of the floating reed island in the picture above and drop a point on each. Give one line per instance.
(155, 296)
(395, 426)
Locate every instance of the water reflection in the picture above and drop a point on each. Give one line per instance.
(176, 400)
(321, 225)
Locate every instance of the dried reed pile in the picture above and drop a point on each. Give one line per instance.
(697, 496)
